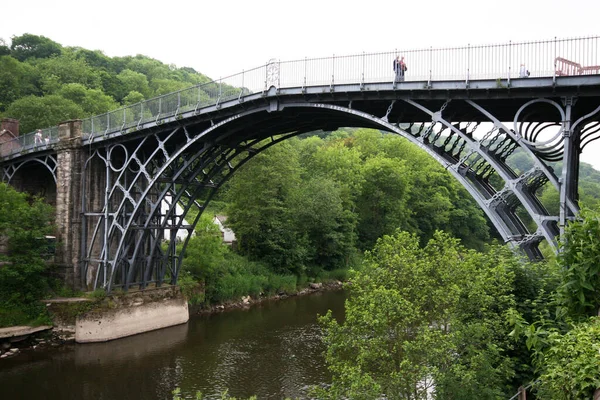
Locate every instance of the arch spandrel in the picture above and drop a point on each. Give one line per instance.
(190, 163)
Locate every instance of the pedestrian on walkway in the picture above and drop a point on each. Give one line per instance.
(37, 138)
(399, 69)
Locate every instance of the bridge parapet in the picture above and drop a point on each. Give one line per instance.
(39, 140)
(464, 64)
(467, 63)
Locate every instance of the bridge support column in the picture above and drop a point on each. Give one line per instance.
(570, 170)
(70, 159)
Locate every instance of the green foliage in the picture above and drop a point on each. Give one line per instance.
(199, 396)
(32, 46)
(4, 49)
(213, 273)
(16, 81)
(417, 317)
(191, 288)
(571, 365)
(38, 112)
(383, 201)
(133, 97)
(579, 293)
(132, 81)
(307, 205)
(92, 101)
(24, 222)
(36, 66)
(326, 229)
(98, 294)
(258, 214)
(557, 326)
(57, 71)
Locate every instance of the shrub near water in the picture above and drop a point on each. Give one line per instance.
(23, 221)
(225, 275)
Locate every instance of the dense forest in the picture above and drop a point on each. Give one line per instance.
(317, 206)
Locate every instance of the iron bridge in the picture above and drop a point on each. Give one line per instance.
(179, 149)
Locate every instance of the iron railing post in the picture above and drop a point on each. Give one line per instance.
(554, 71)
(362, 82)
(468, 62)
(509, 59)
(332, 73)
(241, 88)
(305, 66)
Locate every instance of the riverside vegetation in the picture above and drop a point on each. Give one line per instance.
(479, 321)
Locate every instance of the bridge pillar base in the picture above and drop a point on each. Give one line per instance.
(70, 159)
(133, 313)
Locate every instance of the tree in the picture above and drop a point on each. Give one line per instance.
(563, 334)
(205, 250)
(24, 223)
(4, 49)
(40, 112)
(133, 97)
(422, 320)
(571, 365)
(258, 211)
(383, 201)
(29, 46)
(579, 292)
(58, 71)
(324, 226)
(15, 80)
(341, 163)
(92, 101)
(130, 81)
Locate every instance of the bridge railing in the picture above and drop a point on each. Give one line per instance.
(29, 142)
(497, 61)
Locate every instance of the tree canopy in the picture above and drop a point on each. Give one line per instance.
(35, 67)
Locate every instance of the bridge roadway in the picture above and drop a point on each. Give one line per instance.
(112, 183)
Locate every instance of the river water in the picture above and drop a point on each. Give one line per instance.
(272, 350)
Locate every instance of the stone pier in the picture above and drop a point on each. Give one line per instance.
(70, 160)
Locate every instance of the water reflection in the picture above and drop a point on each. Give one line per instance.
(272, 350)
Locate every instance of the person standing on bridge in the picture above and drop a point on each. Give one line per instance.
(399, 69)
(402, 68)
(37, 137)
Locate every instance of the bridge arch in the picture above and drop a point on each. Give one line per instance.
(34, 175)
(48, 161)
(198, 166)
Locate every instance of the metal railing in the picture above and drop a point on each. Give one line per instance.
(467, 63)
(34, 141)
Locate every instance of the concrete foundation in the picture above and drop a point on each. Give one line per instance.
(131, 314)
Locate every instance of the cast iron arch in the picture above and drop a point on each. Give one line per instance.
(187, 176)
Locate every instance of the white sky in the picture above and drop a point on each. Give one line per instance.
(222, 37)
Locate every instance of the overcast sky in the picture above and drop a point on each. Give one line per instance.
(220, 38)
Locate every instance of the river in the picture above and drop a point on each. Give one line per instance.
(272, 350)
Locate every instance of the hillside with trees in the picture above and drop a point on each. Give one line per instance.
(43, 83)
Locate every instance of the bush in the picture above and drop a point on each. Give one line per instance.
(23, 221)
(572, 363)
(191, 288)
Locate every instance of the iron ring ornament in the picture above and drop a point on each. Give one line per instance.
(272, 73)
(528, 139)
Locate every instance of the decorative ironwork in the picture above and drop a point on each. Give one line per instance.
(272, 73)
(48, 161)
(168, 156)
